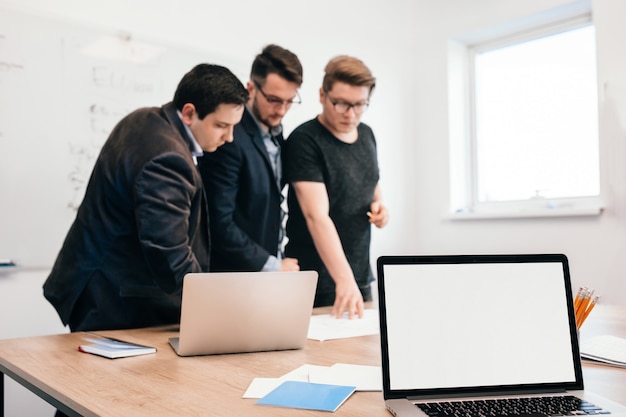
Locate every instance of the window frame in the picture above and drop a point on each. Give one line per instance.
(463, 140)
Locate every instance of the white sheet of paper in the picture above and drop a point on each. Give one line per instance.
(324, 327)
(364, 377)
(301, 373)
(259, 387)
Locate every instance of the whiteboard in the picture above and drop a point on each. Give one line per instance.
(62, 89)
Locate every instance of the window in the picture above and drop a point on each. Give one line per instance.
(531, 111)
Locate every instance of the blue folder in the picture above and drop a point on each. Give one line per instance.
(308, 395)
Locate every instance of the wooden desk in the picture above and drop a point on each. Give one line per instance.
(164, 384)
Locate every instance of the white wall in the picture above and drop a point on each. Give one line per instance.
(24, 312)
(595, 245)
(405, 44)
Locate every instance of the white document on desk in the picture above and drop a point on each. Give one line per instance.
(363, 377)
(325, 327)
(259, 387)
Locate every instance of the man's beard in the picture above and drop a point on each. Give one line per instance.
(257, 114)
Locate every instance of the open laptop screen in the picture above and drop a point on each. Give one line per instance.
(470, 323)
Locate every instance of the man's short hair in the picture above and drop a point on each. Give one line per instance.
(348, 70)
(276, 60)
(207, 86)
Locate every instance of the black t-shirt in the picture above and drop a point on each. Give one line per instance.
(350, 174)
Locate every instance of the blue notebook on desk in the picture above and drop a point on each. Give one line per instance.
(307, 395)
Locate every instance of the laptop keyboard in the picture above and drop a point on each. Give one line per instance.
(528, 406)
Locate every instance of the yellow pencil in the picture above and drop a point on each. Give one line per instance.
(583, 305)
(579, 296)
(586, 313)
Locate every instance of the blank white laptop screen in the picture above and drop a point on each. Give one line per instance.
(477, 325)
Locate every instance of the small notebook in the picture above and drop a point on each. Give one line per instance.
(308, 396)
(113, 349)
(606, 348)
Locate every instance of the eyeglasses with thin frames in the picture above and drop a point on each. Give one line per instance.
(278, 102)
(343, 107)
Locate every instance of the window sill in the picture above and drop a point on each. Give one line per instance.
(543, 212)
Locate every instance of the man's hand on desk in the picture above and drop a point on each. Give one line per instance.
(348, 299)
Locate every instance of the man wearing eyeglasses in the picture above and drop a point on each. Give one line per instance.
(244, 180)
(332, 168)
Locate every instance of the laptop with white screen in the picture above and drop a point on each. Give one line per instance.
(236, 312)
(457, 330)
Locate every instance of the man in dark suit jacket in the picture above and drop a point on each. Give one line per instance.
(143, 223)
(244, 180)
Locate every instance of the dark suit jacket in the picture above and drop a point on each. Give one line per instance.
(143, 224)
(244, 200)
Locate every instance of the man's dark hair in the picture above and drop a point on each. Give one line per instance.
(207, 86)
(276, 60)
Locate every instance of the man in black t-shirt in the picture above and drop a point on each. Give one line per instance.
(331, 165)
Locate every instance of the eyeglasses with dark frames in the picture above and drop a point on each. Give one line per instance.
(342, 107)
(278, 102)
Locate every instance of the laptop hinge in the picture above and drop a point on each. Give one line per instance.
(487, 394)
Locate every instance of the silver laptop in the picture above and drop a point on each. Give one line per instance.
(237, 312)
(468, 328)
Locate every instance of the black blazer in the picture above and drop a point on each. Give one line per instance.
(244, 200)
(143, 224)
